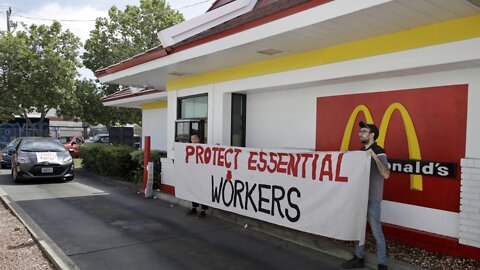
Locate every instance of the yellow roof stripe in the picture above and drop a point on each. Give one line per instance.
(444, 32)
(154, 105)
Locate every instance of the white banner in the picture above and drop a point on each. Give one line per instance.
(324, 193)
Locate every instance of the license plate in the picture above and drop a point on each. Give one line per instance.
(47, 170)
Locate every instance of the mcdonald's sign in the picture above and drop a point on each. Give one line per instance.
(422, 130)
(416, 168)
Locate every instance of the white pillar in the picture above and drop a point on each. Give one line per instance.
(469, 230)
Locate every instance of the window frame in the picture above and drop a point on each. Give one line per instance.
(179, 107)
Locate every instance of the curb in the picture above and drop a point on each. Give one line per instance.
(56, 256)
(315, 242)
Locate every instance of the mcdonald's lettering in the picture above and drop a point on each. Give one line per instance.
(433, 168)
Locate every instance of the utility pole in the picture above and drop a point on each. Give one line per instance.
(10, 23)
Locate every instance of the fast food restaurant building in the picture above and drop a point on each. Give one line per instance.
(300, 75)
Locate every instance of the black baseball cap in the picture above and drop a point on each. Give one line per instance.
(371, 127)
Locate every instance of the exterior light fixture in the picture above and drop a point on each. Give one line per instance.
(270, 52)
(178, 73)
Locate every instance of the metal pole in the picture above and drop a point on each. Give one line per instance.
(10, 24)
(146, 159)
(9, 11)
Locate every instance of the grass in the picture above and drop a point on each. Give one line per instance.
(77, 162)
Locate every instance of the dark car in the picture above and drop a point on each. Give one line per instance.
(41, 158)
(100, 138)
(5, 157)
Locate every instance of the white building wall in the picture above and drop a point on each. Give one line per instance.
(473, 125)
(222, 118)
(154, 124)
(281, 119)
(281, 113)
(171, 117)
(285, 118)
(167, 174)
(268, 95)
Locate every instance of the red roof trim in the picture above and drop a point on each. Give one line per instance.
(138, 59)
(159, 52)
(270, 18)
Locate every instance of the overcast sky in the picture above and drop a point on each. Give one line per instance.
(80, 15)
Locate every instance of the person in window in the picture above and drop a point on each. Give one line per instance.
(194, 138)
(379, 171)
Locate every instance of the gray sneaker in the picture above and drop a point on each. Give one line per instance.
(354, 262)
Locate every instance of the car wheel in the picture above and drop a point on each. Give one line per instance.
(3, 166)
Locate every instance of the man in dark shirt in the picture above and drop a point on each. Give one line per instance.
(378, 173)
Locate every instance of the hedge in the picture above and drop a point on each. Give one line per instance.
(121, 161)
(155, 155)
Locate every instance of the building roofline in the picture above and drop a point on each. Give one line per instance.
(249, 20)
(128, 93)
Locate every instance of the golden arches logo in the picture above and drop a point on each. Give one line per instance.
(412, 139)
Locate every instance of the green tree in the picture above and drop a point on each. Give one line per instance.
(88, 107)
(9, 47)
(39, 66)
(122, 35)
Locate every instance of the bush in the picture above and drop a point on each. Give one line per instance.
(155, 156)
(89, 153)
(119, 160)
(107, 159)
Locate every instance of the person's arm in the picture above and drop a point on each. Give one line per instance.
(382, 168)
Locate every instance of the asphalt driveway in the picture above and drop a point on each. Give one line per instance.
(100, 224)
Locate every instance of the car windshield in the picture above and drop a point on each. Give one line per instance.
(42, 146)
(98, 137)
(11, 144)
(65, 139)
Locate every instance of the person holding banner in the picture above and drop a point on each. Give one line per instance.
(194, 138)
(378, 173)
